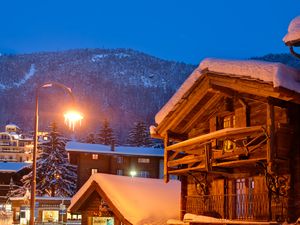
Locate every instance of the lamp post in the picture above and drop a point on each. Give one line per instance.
(70, 117)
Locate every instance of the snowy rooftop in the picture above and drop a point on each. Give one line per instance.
(293, 34)
(73, 146)
(12, 166)
(278, 74)
(140, 200)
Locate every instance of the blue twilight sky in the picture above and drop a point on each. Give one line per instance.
(186, 30)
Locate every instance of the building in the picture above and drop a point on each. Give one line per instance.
(10, 176)
(109, 199)
(121, 160)
(49, 210)
(231, 132)
(14, 146)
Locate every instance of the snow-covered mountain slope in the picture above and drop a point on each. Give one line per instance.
(121, 85)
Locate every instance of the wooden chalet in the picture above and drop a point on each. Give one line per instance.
(110, 199)
(231, 132)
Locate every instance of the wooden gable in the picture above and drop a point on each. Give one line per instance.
(91, 204)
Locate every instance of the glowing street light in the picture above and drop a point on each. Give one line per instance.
(70, 118)
(133, 173)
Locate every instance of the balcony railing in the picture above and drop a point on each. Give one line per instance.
(255, 207)
(222, 148)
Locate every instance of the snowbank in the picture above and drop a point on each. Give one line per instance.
(139, 200)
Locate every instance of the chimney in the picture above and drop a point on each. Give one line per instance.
(112, 148)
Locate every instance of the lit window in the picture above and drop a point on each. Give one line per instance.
(144, 173)
(95, 156)
(120, 159)
(143, 160)
(94, 171)
(120, 172)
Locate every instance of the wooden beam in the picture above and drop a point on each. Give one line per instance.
(208, 154)
(204, 109)
(186, 105)
(271, 132)
(185, 160)
(227, 132)
(238, 162)
(166, 158)
(177, 137)
(178, 171)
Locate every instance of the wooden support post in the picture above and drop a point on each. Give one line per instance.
(166, 157)
(183, 199)
(208, 154)
(271, 132)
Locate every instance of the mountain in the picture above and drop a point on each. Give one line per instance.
(120, 85)
(287, 59)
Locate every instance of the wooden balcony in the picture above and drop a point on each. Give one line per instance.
(226, 148)
(250, 207)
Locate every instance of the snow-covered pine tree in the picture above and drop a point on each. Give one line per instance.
(55, 175)
(90, 139)
(106, 135)
(139, 135)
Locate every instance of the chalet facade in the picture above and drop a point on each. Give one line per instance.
(114, 200)
(231, 132)
(121, 160)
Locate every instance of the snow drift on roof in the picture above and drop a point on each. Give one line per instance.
(278, 74)
(74, 146)
(293, 34)
(12, 166)
(139, 200)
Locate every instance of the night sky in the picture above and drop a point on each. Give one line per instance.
(183, 30)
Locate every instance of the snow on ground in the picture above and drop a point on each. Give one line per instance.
(27, 76)
(188, 217)
(278, 74)
(293, 31)
(139, 200)
(73, 146)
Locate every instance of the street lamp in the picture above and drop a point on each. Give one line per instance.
(70, 118)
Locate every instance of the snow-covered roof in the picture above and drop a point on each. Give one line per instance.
(74, 146)
(12, 166)
(47, 198)
(139, 200)
(278, 74)
(293, 34)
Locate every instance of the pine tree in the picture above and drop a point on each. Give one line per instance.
(90, 139)
(106, 135)
(139, 135)
(55, 176)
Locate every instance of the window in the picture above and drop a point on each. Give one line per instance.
(120, 159)
(143, 160)
(120, 172)
(144, 173)
(94, 171)
(95, 156)
(228, 122)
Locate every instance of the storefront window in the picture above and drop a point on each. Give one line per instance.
(50, 216)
